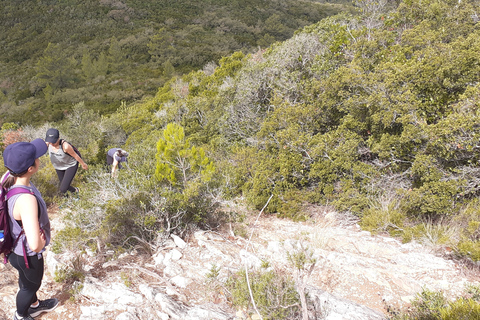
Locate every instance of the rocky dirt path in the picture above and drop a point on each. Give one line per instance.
(374, 271)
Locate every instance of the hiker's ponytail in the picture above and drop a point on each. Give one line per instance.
(10, 181)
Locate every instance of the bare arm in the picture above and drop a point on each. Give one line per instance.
(67, 148)
(114, 167)
(26, 209)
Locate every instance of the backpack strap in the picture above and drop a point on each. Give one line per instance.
(71, 145)
(17, 190)
(61, 145)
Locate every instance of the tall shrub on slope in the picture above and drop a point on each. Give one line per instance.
(184, 172)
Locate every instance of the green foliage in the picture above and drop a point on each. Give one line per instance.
(273, 292)
(55, 68)
(424, 170)
(214, 272)
(469, 248)
(69, 238)
(92, 48)
(301, 259)
(127, 218)
(461, 309)
(432, 234)
(474, 290)
(469, 220)
(433, 199)
(46, 181)
(81, 125)
(350, 198)
(383, 216)
(430, 305)
(427, 304)
(179, 164)
(9, 126)
(454, 138)
(186, 172)
(70, 273)
(362, 103)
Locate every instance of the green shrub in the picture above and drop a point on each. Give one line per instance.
(129, 217)
(469, 220)
(46, 181)
(432, 199)
(273, 292)
(378, 219)
(431, 305)
(292, 204)
(71, 272)
(424, 169)
(469, 248)
(350, 199)
(474, 290)
(69, 238)
(427, 305)
(433, 234)
(461, 309)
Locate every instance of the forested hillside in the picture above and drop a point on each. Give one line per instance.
(54, 54)
(376, 115)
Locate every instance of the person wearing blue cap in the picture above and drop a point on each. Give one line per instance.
(64, 159)
(29, 224)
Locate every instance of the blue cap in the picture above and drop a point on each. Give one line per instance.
(20, 156)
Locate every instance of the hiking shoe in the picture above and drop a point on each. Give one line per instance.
(24, 318)
(44, 306)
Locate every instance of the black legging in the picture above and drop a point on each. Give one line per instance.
(29, 280)
(66, 178)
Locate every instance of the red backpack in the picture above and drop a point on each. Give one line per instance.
(7, 243)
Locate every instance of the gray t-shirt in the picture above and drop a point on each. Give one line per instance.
(60, 159)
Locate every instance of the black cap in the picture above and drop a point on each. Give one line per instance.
(52, 135)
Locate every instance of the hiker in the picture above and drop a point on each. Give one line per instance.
(27, 212)
(115, 157)
(64, 159)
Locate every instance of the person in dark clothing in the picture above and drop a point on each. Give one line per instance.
(64, 159)
(115, 157)
(30, 226)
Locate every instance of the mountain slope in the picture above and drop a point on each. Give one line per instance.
(56, 54)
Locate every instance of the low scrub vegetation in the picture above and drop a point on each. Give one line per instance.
(376, 115)
(273, 292)
(433, 305)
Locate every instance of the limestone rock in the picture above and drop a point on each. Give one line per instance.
(330, 307)
(178, 241)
